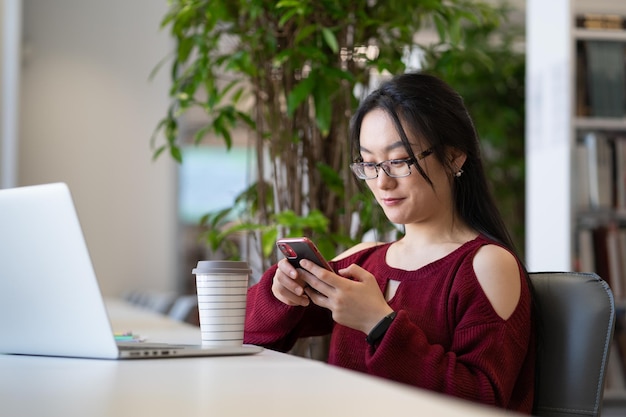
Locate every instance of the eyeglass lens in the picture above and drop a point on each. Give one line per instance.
(394, 168)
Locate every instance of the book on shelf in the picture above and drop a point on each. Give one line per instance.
(621, 238)
(619, 178)
(616, 267)
(606, 77)
(603, 250)
(618, 352)
(601, 201)
(601, 255)
(596, 161)
(615, 371)
(601, 172)
(582, 93)
(598, 21)
(586, 254)
(601, 78)
(582, 178)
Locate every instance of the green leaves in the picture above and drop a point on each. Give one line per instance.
(185, 46)
(330, 39)
(300, 93)
(331, 179)
(282, 76)
(320, 86)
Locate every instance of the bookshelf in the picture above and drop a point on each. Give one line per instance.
(575, 123)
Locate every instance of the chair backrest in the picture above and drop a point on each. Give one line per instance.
(577, 319)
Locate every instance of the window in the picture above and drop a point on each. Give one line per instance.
(210, 178)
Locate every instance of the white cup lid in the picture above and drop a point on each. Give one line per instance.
(222, 267)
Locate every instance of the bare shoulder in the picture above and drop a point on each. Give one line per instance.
(355, 249)
(498, 274)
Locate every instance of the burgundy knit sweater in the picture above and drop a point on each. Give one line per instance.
(446, 336)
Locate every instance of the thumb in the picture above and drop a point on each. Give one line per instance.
(355, 273)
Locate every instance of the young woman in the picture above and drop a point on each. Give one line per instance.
(448, 306)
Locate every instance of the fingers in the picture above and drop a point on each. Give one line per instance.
(318, 278)
(353, 296)
(288, 285)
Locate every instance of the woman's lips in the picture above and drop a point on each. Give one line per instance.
(388, 201)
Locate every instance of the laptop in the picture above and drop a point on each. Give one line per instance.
(50, 300)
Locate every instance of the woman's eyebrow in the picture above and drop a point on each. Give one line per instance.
(391, 147)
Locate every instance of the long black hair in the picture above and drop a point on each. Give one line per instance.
(425, 107)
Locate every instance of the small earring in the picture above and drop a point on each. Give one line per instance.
(458, 173)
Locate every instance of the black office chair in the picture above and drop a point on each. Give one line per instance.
(576, 329)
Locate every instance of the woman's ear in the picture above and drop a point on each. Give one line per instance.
(457, 158)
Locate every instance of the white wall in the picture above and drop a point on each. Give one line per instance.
(88, 110)
(548, 131)
(10, 17)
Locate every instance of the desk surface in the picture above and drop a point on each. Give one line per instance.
(266, 384)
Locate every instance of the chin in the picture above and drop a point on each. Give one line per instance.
(395, 218)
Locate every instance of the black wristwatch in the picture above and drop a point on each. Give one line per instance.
(380, 329)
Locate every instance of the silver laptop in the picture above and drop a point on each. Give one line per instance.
(50, 301)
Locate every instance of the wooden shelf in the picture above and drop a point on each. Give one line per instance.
(600, 123)
(602, 217)
(599, 35)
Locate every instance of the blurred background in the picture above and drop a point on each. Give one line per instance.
(83, 114)
(78, 105)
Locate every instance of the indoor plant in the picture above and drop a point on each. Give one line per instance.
(304, 64)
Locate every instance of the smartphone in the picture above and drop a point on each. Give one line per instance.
(297, 248)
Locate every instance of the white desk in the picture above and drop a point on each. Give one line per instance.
(266, 384)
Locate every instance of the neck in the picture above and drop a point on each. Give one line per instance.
(448, 230)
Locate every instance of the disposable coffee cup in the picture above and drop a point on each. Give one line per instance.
(222, 287)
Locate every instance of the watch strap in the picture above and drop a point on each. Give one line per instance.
(380, 329)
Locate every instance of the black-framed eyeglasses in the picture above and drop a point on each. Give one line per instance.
(394, 168)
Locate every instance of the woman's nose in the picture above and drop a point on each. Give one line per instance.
(384, 181)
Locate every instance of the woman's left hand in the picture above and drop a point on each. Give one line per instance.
(356, 302)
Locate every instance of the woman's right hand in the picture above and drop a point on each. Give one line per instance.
(288, 285)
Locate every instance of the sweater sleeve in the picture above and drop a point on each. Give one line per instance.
(484, 361)
(275, 325)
